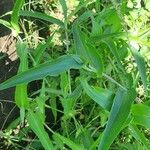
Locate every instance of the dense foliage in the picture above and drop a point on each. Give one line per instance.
(91, 59)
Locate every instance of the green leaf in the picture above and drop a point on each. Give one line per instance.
(68, 142)
(64, 7)
(138, 135)
(21, 97)
(40, 49)
(141, 115)
(42, 16)
(36, 122)
(6, 24)
(15, 15)
(118, 115)
(51, 68)
(99, 95)
(86, 50)
(113, 49)
(141, 66)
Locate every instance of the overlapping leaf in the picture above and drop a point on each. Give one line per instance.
(51, 68)
(118, 115)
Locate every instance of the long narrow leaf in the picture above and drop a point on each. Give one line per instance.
(52, 68)
(86, 50)
(42, 16)
(141, 66)
(21, 97)
(118, 115)
(68, 142)
(137, 134)
(15, 14)
(36, 123)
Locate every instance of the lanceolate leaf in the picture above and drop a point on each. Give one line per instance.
(141, 66)
(42, 16)
(68, 142)
(15, 14)
(100, 96)
(51, 68)
(6, 24)
(118, 115)
(36, 121)
(21, 97)
(86, 50)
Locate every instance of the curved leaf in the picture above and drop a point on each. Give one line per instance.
(42, 16)
(141, 115)
(118, 115)
(87, 50)
(51, 68)
(100, 96)
(35, 121)
(15, 14)
(141, 66)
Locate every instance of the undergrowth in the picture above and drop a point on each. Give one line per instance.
(91, 61)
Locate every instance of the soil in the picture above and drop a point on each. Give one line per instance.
(8, 68)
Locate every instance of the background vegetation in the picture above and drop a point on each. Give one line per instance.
(91, 60)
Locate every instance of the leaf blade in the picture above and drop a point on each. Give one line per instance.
(52, 68)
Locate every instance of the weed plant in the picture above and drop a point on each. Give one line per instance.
(91, 58)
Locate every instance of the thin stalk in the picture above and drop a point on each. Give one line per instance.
(113, 81)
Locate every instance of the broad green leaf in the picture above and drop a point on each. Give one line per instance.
(64, 7)
(138, 135)
(15, 15)
(36, 122)
(99, 95)
(141, 66)
(118, 115)
(51, 68)
(87, 50)
(42, 16)
(21, 97)
(68, 142)
(141, 115)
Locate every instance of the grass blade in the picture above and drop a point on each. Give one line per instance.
(86, 50)
(6, 24)
(118, 115)
(139, 136)
(52, 68)
(36, 124)
(15, 15)
(21, 97)
(141, 66)
(42, 16)
(64, 7)
(68, 142)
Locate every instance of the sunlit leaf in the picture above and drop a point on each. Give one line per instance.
(51, 68)
(118, 115)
